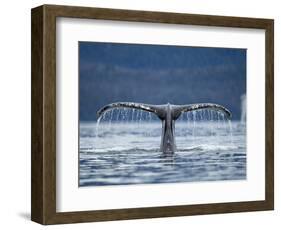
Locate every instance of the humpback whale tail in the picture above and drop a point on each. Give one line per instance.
(168, 114)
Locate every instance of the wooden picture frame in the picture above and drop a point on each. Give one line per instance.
(43, 160)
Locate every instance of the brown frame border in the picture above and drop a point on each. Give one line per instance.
(43, 157)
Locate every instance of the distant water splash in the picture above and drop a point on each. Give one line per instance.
(243, 108)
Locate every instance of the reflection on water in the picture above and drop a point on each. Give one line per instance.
(129, 153)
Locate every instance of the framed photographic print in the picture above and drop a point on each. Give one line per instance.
(140, 114)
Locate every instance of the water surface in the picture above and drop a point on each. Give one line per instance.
(128, 153)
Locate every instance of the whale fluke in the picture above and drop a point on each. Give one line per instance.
(168, 114)
(179, 109)
(159, 110)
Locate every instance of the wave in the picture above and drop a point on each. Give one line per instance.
(118, 149)
(128, 149)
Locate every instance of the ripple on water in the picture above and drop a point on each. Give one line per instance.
(132, 158)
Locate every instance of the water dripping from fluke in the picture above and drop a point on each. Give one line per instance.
(167, 113)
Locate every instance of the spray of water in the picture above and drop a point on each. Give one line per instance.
(194, 121)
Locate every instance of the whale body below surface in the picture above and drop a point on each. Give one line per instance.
(168, 114)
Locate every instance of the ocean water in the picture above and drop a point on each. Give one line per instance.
(119, 153)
